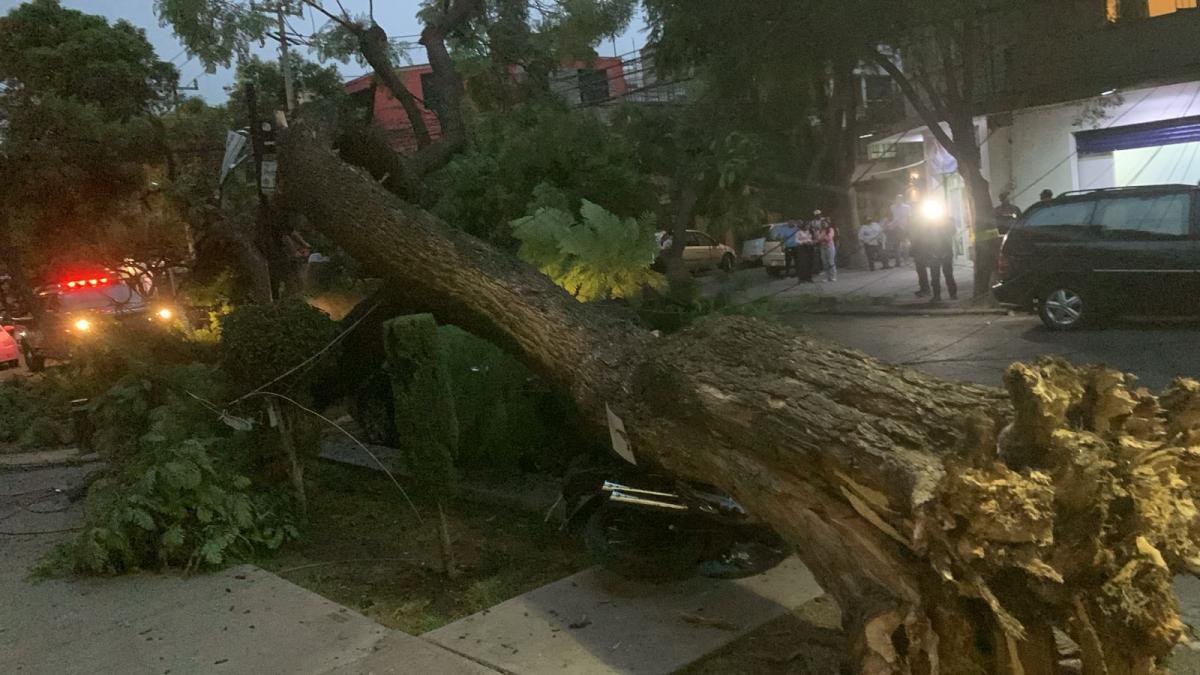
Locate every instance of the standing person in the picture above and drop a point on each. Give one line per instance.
(827, 244)
(922, 246)
(902, 221)
(814, 229)
(788, 232)
(1006, 213)
(892, 241)
(940, 257)
(872, 238)
(804, 254)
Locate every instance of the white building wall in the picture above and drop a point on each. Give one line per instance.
(1042, 140)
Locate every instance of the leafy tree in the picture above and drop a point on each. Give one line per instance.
(79, 97)
(707, 169)
(310, 80)
(601, 256)
(539, 144)
(780, 72)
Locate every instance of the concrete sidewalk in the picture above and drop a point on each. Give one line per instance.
(594, 622)
(880, 291)
(239, 620)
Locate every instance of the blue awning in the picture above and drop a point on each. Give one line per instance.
(1151, 134)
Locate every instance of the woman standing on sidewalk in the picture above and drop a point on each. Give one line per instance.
(827, 244)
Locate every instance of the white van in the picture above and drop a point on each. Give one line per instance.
(772, 258)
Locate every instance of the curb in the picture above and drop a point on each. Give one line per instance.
(922, 312)
(45, 463)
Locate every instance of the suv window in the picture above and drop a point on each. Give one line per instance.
(1146, 216)
(699, 239)
(1070, 214)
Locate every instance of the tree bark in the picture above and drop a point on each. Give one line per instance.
(373, 44)
(954, 526)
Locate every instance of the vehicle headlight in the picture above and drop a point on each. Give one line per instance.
(165, 314)
(83, 325)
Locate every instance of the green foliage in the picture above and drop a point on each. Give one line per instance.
(24, 403)
(180, 492)
(117, 349)
(214, 32)
(426, 421)
(311, 80)
(177, 504)
(43, 432)
(538, 144)
(47, 49)
(602, 256)
(261, 341)
(141, 401)
(496, 400)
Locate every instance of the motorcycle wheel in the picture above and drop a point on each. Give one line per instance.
(642, 544)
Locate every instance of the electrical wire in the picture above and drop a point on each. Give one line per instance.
(359, 443)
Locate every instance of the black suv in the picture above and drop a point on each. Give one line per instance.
(1090, 254)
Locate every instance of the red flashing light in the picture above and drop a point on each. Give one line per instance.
(86, 283)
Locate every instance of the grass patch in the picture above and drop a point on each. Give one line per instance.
(364, 548)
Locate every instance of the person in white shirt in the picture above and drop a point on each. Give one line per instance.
(872, 238)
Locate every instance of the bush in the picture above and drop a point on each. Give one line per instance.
(180, 492)
(259, 342)
(44, 432)
(177, 504)
(44, 403)
(137, 402)
(498, 418)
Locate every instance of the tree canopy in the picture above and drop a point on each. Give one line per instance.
(79, 99)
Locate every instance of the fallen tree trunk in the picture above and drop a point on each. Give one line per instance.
(955, 526)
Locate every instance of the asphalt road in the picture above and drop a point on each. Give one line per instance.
(979, 348)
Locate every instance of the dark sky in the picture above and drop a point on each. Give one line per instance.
(398, 18)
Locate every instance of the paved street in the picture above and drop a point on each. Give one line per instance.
(978, 348)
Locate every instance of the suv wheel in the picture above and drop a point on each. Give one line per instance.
(727, 262)
(1063, 308)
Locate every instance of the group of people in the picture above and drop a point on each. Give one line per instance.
(885, 238)
(810, 247)
(892, 236)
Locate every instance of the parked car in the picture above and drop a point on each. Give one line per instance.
(773, 260)
(10, 352)
(1092, 254)
(78, 308)
(701, 252)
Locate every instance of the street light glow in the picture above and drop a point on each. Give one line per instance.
(933, 209)
(165, 314)
(83, 325)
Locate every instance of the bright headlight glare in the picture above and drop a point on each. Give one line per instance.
(83, 325)
(165, 314)
(933, 209)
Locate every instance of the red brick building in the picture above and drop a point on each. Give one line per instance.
(590, 83)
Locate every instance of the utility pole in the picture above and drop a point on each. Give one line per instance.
(281, 8)
(285, 64)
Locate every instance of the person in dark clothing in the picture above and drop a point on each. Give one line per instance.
(919, 245)
(1006, 213)
(940, 258)
(804, 255)
(1046, 196)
